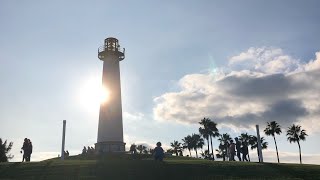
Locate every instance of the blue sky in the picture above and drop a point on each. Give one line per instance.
(175, 51)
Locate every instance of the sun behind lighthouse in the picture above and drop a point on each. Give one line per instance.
(104, 94)
(92, 94)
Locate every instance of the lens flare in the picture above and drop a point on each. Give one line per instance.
(92, 94)
(104, 95)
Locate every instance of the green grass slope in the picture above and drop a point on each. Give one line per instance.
(118, 168)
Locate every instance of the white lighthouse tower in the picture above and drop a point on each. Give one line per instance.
(110, 130)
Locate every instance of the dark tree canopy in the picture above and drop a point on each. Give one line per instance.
(4, 150)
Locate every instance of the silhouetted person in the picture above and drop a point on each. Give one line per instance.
(133, 149)
(24, 148)
(84, 150)
(158, 152)
(92, 150)
(29, 151)
(238, 148)
(232, 150)
(245, 151)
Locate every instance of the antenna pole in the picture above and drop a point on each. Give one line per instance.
(63, 139)
(259, 144)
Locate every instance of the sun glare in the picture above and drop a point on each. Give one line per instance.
(92, 94)
(104, 95)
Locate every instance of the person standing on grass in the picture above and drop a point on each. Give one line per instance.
(93, 150)
(133, 149)
(238, 148)
(24, 148)
(84, 150)
(232, 150)
(158, 152)
(29, 150)
(245, 151)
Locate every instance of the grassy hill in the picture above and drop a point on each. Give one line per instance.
(142, 167)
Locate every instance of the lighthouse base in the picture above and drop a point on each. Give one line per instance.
(110, 146)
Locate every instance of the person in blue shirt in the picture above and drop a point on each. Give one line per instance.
(158, 152)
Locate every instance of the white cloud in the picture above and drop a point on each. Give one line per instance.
(313, 64)
(271, 86)
(265, 60)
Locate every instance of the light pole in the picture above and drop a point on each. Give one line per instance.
(63, 139)
(259, 144)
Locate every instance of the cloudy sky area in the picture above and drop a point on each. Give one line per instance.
(238, 63)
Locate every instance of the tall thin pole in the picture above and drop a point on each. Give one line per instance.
(259, 144)
(63, 139)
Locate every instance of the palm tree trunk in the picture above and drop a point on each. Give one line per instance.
(196, 153)
(249, 155)
(299, 151)
(208, 145)
(211, 148)
(189, 152)
(226, 154)
(275, 142)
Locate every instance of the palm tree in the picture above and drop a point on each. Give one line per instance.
(145, 151)
(205, 131)
(296, 134)
(170, 151)
(187, 143)
(244, 137)
(141, 148)
(224, 144)
(197, 142)
(151, 150)
(176, 147)
(273, 128)
(254, 144)
(205, 154)
(4, 150)
(214, 132)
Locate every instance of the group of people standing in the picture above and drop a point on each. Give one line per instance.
(89, 150)
(27, 150)
(238, 148)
